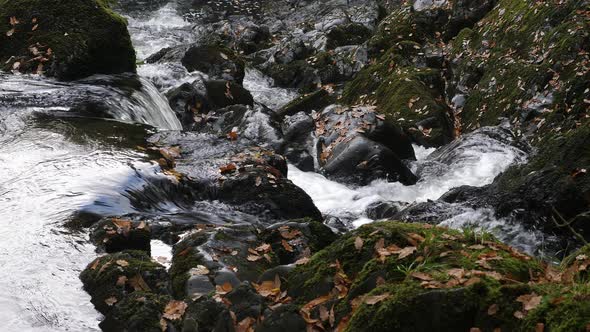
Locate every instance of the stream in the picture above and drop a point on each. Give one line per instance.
(56, 160)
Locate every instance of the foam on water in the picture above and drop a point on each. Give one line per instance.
(156, 30)
(265, 92)
(474, 160)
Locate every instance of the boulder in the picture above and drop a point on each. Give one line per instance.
(66, 40)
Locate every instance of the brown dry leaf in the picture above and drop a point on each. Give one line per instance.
(122, 262)
(267, 288)
(302, 261)
(358, 243)
(174, 310)
(529, 301)
(417, 237)
(14, 21)
(324, 314)
(456, 273)
(111, 301)
(265, 247)
(232, 135)
(120, 223)
(163, 324)
(245, 325)
(139, 284)
(224, 289)
(287, 246)
(472, 281)
(380, 244)
(291, 234)
(519, 314)
(95, 264)
(493, 309)
(371, 300)
(477, 247)
(228, 168)
(10, 32)
(121, 281)
(421, 276)
(34, 27)
(405, 252)
(141, 225)
(315, 302)
(253, 258)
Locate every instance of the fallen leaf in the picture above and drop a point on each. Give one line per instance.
(227, 168)
(122, 262)
(258, 181)
(374, 299)
(174, 310)
(302, 261)
(493, 309)
(324, 313)
(224, 289)
(315, 302)
(10, 32)
(111, 301)
(358, 243)
(421, 276)
(245, 325)
(253, 258)
(287, 246)
(200, 270)
(519, 315)
(529, 301)
(121, 281)
(405, 252)
(163, 325)
(139, 284)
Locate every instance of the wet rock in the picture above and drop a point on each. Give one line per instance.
(382, 210)
(117, 234)
(298, 141)
(192, 100)
(294, 240)
(217, 62)
(109, 279)
(285, 317)
(208, 315)
(66, 40)
(246, 302)
(350, 34)
(356, 145)
(315, 101)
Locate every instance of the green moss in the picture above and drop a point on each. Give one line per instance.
(350, 34)
(101, 277)
(185, 257)
(85, 37)
(140, 311)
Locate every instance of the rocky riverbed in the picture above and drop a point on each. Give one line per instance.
(252, 165)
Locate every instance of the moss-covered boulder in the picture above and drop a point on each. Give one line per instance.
(382, 276)
(138, 312)
(67, 40)
(109, 279)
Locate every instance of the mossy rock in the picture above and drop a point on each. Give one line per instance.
(426, 273)
(185, 257)
(349, 34)
(138, 312)
(217, 61)
(523, 52)
(109, 279)
(407, 96)
(67, 40)
(315, 101)
(552, 185)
